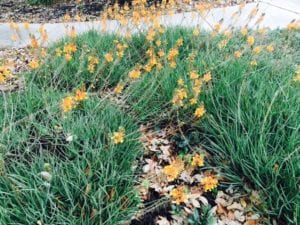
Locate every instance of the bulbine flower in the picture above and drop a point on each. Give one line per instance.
(200, 111)
(209, 183)
(118, 136)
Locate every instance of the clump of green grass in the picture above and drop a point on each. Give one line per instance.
(251, 118)
(62, 75)
(92, 178)
(41, 2)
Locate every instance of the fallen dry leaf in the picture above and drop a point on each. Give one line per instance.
(251, 222)
(230, 215)
(239, 216)
(162, 221)
(235, 206)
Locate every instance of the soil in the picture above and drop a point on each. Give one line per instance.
(22, 11)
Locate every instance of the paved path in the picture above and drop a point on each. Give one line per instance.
(278, 13)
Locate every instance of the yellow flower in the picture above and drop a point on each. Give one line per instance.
(77, 17)
(207, 77)
(197, 90)
(150, 52)
(200, 111)
(14, 37)
(222, 44)
(173, 64)
(257, 50)
(180, 82)
(109, 57)
(293, 26)
(91, 68)
(135, 74)
(80, 95)
(148, 67)
(237, 54)
(158, 43)
(196, 32)
(172, 54)
(198, 82)
(45, 37)
(41, 29)
(26, 25)
(118, 136)
(198, 160)
(209, 183)
(193, 101)
(67, 17)
(4, 71)
(173, 170)
(150, 35)
(228, 33)
(92, 62)
(68, 57)
(73, 32)
(179, 195)
(244, 31)
(193, 75)
(253, 62)
(217, 27)
(250, 40)
(270, 48)
(179, 42)
(262, 31)
(34, 64)
(2, 79)
(297, 78)
(69, 49)
(119, 88)
(161, 53)
(179, 96)
(68, 104)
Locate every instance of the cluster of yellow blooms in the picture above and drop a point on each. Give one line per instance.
(250, 40)
(179, 194)
(173, 171)
(70, 102)
(34, 64)
(294, 25)
(181, 94)
(135, 74)
(172, 54)
(120, 48)
(68, 50)
(5, 73)
(200, 111)
(118, 136)
(109, 57)
(92, 62)
(297, 77)
(119, 88)
(209, 183)
(198, 160)
(34, 42)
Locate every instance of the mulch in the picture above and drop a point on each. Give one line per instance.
(22, 11)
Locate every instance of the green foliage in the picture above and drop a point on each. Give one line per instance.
(204, 217)
(251, 121)
(41, 2)
(92, 178)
